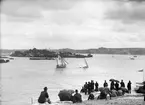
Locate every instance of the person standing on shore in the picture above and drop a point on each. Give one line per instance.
(89, 87)
(44, 97)
(86, 88)
(112, 85)
(129, 87)
(117, 86)
(92, 85)
(122, 84)
(96, 86)
(105, 84)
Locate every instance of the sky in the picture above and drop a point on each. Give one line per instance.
(77, 24)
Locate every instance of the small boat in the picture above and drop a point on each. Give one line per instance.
(6, 57)
(61, 63)
(11, 58)
(132, 58)
(2, 60)
(89, 55)
(86, 64)
(41, 58)
(140, 86)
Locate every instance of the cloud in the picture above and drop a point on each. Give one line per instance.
(32, 9)
(20, 10)
(127, 12)
(80, 13)
(72, 24)
(137, 0)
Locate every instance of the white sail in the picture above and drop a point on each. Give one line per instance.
(86, 64)
(61, 63)
(65, 62)
(131, 57)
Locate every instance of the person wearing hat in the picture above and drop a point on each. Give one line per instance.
(77, 97)
(122, 84)
(44, 97)
(105, 84)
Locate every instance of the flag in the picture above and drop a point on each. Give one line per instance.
(140, 70)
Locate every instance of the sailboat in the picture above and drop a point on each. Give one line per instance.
(86, 64)
(140, 85)
(61, 63)
(131, 56)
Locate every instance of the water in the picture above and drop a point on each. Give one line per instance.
(22, 79)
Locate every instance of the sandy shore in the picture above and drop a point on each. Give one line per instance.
(124, 100)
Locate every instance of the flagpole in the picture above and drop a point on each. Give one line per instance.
(142, 70)
(143, 75)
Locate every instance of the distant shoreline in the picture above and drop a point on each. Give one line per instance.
(101, 50)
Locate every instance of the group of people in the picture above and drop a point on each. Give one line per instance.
(88, 88)
(115, 85)
(44, 97)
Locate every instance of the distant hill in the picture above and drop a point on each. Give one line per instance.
(101, 50)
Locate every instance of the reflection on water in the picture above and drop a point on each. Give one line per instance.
(23, 78)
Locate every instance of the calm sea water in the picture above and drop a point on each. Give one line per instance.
(22, 79)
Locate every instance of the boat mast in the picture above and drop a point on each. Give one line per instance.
(57, 59)
(62, 62)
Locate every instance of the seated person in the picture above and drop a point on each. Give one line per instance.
(83, 89)
(91, 96)
(104, 94)
(77, 97)
(44, 97)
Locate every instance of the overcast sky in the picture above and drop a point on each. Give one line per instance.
(72, 23)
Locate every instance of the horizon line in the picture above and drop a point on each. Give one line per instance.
(74, 48)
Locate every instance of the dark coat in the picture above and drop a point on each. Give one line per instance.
(91, 97)
(105, 84)
(77, 98)
(112, 85)
(117, 86)
(129, 85)
(122, 84)
(43, 96)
